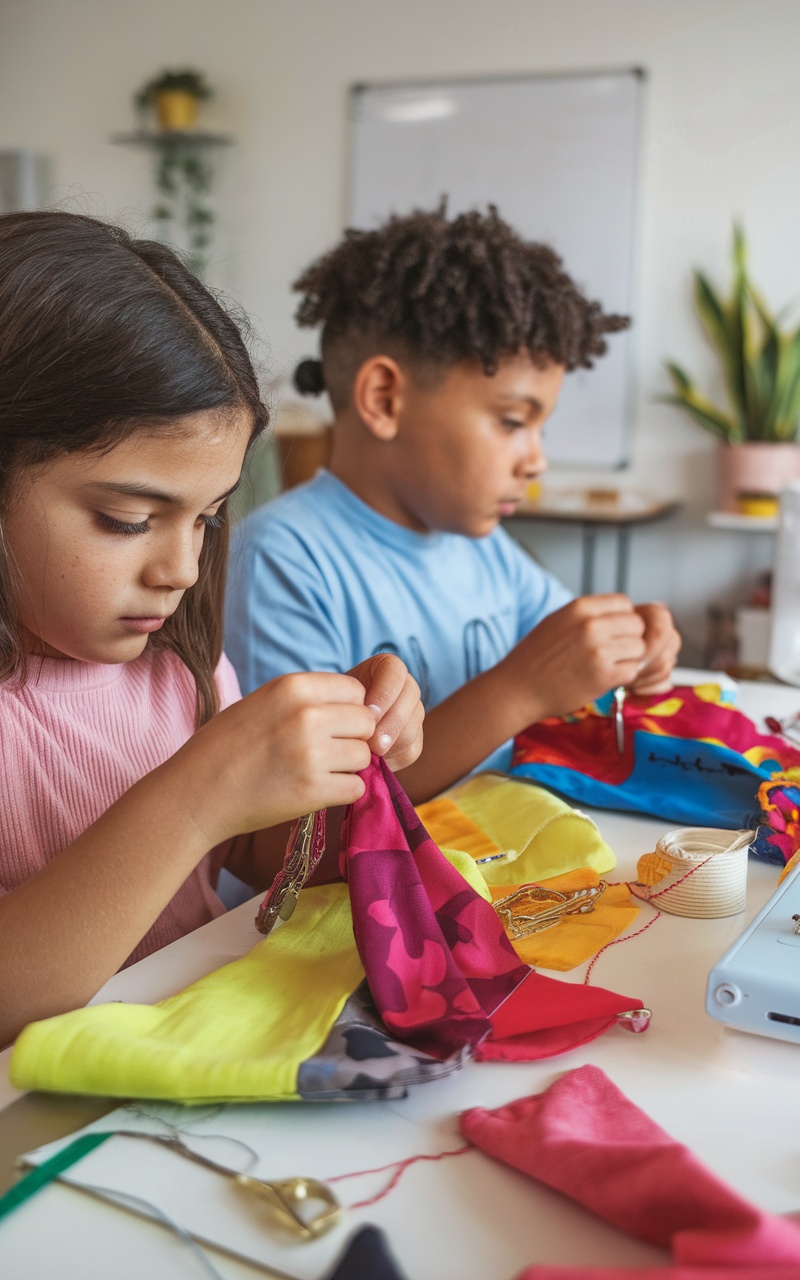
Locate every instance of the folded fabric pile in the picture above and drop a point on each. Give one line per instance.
(687, 757)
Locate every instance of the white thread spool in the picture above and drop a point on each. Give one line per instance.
(709, 872)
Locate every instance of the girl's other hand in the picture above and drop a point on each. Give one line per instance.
(294, 745)
(392, 693)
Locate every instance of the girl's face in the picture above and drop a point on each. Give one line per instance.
(106, 544)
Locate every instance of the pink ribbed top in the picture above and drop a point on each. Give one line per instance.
(74, 739)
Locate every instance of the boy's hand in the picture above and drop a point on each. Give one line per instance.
(592, 645)
(662, 645)
(579, 652)
(393, 694)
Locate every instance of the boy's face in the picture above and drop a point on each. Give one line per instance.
(467, 448)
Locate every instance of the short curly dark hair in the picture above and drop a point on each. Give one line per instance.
(444, 290)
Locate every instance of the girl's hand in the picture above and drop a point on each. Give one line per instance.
(292, 746)
(393, 694)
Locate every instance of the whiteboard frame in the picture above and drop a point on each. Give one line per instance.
(639, 77)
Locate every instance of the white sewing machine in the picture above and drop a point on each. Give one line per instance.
(756, 985)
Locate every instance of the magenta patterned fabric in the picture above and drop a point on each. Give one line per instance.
(436, 957)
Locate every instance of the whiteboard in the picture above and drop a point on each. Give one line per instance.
(559, 156)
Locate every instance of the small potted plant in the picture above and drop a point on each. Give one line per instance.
(174, 95)
(758, 427)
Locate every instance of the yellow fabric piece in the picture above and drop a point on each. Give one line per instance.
(652, 868)
(574, 939)
(466, 866)
(239, 1034)
(448, 826)
(541, 835)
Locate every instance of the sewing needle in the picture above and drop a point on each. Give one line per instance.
(620, 694)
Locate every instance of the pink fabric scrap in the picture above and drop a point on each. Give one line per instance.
(435, 953)
(583, 1137)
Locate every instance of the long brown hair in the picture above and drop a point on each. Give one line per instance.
(102, 335)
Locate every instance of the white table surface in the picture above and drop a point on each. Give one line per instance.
(732, 1097)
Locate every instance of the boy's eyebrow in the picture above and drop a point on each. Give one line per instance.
(155, 495)
(518, 396)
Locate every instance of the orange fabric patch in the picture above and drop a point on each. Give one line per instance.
(450, 828)
(577, 938)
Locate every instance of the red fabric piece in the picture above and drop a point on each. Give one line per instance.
(583, 1137)
(545, 1016)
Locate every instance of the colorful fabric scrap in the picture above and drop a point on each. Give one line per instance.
(687, 757)
(294, 1018)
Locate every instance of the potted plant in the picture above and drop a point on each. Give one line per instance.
(758, 428)
(174, 95)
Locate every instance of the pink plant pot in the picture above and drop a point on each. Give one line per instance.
(754, 467)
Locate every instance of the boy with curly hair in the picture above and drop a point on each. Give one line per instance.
(444, 346)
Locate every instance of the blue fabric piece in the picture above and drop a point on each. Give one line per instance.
(319, 581)
(685, 781)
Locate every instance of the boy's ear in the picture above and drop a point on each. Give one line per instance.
(378, 393)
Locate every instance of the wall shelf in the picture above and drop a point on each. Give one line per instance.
(747, 524)
(165, 139)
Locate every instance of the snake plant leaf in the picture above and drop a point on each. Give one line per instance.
(786, 416)
(699, 407)
(723, 330)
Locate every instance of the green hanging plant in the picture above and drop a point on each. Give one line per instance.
(183, 179)
(760, 362)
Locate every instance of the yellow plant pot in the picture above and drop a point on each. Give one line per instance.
(176, 109)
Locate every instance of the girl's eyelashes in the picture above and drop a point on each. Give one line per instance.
(121, 526)
(514, 424)
(143, 526)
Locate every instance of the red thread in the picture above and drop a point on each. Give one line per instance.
(644, 927)
(685, 876)
(399, 1167)
(614, 942)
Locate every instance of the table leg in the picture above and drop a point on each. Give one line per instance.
(623, 556)
(589, 538)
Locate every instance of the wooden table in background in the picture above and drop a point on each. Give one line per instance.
(594, 513)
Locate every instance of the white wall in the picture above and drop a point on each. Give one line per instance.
(722, 139)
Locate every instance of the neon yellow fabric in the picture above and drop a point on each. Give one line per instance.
(465, 864)
(541, 835)
(238, 1034)
(577, 938)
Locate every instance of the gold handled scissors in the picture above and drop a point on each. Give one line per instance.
(304, 1206)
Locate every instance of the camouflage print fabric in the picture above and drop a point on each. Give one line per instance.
(361, 1062)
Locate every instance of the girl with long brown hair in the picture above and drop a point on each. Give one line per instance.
(127, 405)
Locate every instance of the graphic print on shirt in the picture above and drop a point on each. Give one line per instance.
(484, 645)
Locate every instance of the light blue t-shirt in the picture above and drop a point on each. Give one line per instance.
(319, 581)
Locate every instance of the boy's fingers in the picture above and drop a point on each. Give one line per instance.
(595, 606)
